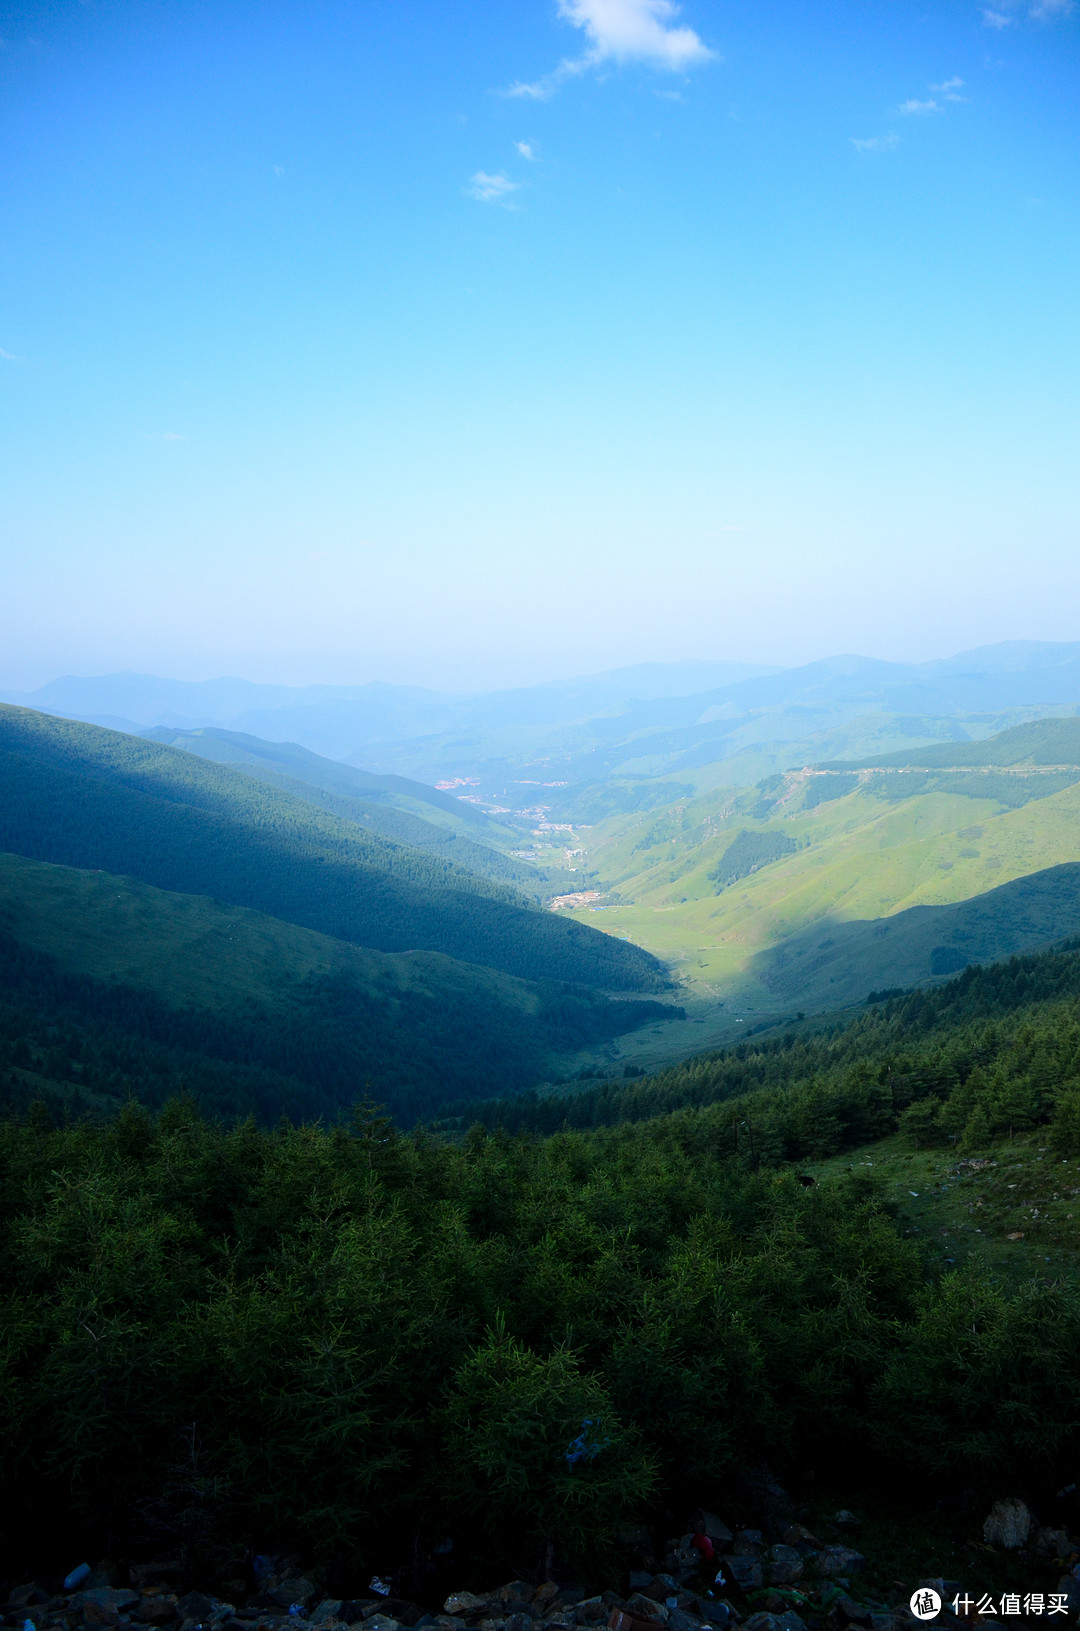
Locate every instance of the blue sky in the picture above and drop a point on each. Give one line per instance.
(477, 344)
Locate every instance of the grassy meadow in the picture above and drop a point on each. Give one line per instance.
(860, 857)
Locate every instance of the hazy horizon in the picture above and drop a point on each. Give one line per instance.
(464, 672)
(550, 679)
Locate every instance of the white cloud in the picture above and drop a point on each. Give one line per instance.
(949, 91)
(172, 436)
(874, 144)
(636, 30)
(1043, 11)
(622, 31)
(527, 150)
(538, 90)
(9, 356)
(491, 189)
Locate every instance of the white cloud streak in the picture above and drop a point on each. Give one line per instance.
(491, 189)
(527, 151)
(1041, 11)
(949, 91)
(622, 31)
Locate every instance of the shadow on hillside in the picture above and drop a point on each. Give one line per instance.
(835, 962)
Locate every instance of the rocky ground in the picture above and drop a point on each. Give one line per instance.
(712, 1578)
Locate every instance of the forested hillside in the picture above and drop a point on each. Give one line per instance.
(994, 1049)
(289, 759)
(88, 797)
(111, 988)
(402, 827)
(388, 1343)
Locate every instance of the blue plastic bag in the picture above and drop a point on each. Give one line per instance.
(588, 1444)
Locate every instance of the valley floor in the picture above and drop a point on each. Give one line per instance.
(874, 893)
(708, 1023)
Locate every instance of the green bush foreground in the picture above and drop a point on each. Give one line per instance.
(356, 1343)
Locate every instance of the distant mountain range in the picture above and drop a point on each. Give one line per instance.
(623, 740)
(339, 719)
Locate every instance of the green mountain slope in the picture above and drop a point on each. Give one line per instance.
(375, 802)
(975, 1028)
(83, 796)
(959, 1105)
(1041, 742)
(867, 845)
(401, 827)
(112, 987)
(299, 763)
(840, 962)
